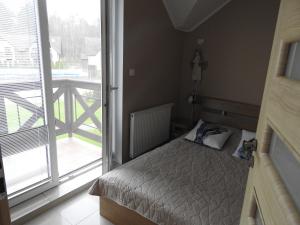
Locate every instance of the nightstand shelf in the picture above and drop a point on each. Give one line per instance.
(179, 127)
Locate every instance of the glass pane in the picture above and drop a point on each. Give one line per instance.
(20, 174)
(23, 132)
(76, 67)
(74, 28)
(293, 64)
(287, 165)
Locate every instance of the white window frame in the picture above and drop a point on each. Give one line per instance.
(44, 48)
(112, 20)
(112, 56)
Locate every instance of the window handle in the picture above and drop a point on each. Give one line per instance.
(112, 88)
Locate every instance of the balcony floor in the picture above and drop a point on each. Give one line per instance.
(26, 168)
(73, 153)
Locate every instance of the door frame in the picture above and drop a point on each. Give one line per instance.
(112, 43)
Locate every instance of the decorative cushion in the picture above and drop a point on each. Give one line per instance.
(240, 152)
(209, 134)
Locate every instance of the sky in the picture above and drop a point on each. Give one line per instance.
(86, 9)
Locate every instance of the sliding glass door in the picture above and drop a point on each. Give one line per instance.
(50, 92)
(24, 127)
(75, 39)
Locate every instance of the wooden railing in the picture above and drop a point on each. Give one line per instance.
(68, 95)
(78, 94)
(9, 92)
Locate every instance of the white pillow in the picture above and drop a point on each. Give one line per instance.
(209, 134)
(246, 136)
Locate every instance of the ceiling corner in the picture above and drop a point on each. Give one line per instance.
(189, 14)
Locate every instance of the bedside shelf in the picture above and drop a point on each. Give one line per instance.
(179, 127)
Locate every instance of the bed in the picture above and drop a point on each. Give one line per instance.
(180, 183)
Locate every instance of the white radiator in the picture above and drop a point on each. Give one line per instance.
(149, 129)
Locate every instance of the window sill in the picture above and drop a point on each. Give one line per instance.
(46, 200)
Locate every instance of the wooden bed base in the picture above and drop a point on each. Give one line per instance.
(120, 215)
(4, 213)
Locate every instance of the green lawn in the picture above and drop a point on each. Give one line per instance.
(17, 116)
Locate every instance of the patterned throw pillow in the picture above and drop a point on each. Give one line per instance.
(241, 152)
(211, 135)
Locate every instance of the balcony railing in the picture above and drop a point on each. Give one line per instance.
(77, 108)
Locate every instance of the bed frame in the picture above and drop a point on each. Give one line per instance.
(4, 212)
(235, 114)
(120, 215)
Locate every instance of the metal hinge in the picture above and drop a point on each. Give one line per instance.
(250, 147)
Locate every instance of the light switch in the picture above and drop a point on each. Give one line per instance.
(200, 41)
(131, 72)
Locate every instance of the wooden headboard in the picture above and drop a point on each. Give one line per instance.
(235, 114)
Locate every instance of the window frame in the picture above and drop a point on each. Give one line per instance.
(44, 49)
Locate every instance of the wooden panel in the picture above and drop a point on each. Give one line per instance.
(273, 195)
(235, 114)
(230, 120)
(280, 113)
(230, 106)
(4, 213)
(4, 209)
(120, 215)
(284, 110)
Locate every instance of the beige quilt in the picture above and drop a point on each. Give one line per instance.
(181, 183)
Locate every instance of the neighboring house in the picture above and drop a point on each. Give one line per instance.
(91, 57)
(17, 51)
(34, 54)
(95, 60)
(7, 54)
(56, 49)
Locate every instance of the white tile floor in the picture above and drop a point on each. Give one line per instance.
(82, 209)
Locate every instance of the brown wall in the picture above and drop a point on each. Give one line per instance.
(238, 41)
(154, 49)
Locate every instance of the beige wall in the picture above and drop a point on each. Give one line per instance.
(154, 48)
(238, 41)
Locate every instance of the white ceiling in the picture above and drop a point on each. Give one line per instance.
(187, 15)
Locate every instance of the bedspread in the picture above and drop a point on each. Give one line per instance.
(180, 183)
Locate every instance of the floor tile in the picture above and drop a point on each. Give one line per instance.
(79, 208)
(51, 217)
(82, 208)
(62, 192)
(95, 219)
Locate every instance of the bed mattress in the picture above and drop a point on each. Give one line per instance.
(180, 183)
